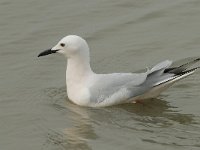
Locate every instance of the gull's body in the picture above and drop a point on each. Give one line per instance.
(86, 88)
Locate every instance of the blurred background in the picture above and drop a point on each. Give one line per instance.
(123, 36)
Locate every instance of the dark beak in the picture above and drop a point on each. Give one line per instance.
(47, 52)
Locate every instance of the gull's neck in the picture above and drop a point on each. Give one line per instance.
(78, 69)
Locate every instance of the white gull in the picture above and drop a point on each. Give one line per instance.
(86, 88)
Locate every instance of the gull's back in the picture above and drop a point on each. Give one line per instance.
(111, 89)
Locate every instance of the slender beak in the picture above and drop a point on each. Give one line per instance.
(47, 52)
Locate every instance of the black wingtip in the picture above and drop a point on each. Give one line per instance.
(183, 68)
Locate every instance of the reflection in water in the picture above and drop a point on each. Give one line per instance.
(152, 118)
(158, 119)
(76, 136)
(82, 131)
(156, 108)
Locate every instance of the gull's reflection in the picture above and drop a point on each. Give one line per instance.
(82, 130)
(76, 135)
(158, 108)
(145, 117)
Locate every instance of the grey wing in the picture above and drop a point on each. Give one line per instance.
(119, 88)
(164, 73)
(109, 84)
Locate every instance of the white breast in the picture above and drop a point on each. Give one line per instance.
(78, 93)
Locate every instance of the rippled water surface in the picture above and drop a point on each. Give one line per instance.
(123, 36)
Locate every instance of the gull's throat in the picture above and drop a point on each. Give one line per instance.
(78, 69)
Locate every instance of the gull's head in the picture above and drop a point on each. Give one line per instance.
(70, 46)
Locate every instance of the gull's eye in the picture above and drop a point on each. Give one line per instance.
(62, 44)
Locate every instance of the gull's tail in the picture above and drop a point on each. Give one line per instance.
(165, 74)
(177, 77)
(183, 68)
(181, 71)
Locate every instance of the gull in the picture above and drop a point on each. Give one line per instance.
(86, 88)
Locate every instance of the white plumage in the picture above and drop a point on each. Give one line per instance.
(86, 88)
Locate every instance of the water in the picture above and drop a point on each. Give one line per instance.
(123, 36)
